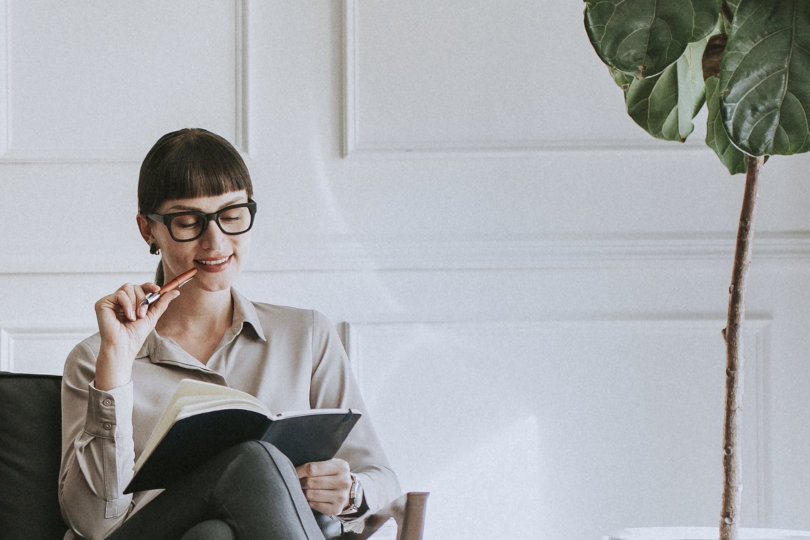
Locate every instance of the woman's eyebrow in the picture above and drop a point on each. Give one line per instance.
(184, 208)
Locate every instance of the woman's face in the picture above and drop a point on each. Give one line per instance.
(218, 257)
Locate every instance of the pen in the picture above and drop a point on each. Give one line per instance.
(176, 283)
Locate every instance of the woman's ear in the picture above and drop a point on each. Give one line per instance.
(145, 227)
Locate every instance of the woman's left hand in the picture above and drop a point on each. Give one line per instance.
(326, 485)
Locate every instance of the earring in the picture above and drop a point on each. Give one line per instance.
(154, 249)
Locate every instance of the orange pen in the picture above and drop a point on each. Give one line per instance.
(176, 283)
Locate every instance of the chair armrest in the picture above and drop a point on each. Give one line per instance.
(409, 513)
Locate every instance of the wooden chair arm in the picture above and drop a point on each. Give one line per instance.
(409, 513)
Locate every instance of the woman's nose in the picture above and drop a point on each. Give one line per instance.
(213, 236)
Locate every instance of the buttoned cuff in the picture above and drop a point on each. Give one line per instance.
(109, 412)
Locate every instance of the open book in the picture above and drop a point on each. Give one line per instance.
(203, 419)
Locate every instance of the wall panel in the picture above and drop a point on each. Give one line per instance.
(108, 80)
(461, 77)
(569, 427)
(38, 350)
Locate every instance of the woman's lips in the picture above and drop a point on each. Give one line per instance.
(212, 265)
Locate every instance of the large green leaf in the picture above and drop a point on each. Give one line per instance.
(716, 136)
(765, 77)
(643, 37)
(665, 105)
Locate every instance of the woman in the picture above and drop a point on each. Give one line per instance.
(196, 211)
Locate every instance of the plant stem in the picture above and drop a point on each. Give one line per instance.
(733, 334)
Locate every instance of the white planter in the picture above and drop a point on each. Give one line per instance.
(703, 533)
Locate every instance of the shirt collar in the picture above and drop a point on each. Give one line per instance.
(244, 312)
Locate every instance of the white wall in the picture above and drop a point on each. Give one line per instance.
(534, 288)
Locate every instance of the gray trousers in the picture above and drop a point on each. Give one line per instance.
(250, 491)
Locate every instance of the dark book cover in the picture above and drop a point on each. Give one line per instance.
(312, 436)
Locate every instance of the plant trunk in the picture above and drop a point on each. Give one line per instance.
(733, 334)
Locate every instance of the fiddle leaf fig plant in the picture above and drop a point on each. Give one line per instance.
(748, 62)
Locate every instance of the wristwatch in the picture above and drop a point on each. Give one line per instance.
(355, 497)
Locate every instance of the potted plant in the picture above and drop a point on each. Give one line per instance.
(748, 62)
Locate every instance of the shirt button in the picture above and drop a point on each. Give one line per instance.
(107, 426)
(107, 402)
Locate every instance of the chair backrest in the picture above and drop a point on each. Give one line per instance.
(30, 446)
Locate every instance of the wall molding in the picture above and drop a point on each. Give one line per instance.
(346, 252)
(528, 252)
(5, 82)
(350, 141)
(241, 137)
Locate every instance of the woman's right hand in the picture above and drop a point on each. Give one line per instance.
(124, 324)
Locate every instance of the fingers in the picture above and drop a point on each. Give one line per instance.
(323, 468)
(328, 508)
(127, 302)
(121, 303)
(326, 485)
(129, 299)
(329, 502)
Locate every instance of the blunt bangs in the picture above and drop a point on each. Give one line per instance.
(190, 163)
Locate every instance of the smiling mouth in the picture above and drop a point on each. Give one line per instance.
(213, 262)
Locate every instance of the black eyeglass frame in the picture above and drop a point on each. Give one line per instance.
(166, 219)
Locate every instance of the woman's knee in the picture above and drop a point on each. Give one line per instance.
(274, 453)
(260, 452)
(256, 461)
(212, 529)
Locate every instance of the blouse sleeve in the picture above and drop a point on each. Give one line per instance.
(334, 386)
(97, 448)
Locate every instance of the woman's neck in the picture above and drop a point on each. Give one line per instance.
(197, 313)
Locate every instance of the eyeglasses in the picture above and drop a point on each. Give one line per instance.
(188, 226)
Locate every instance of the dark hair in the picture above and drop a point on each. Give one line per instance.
(190, 163)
